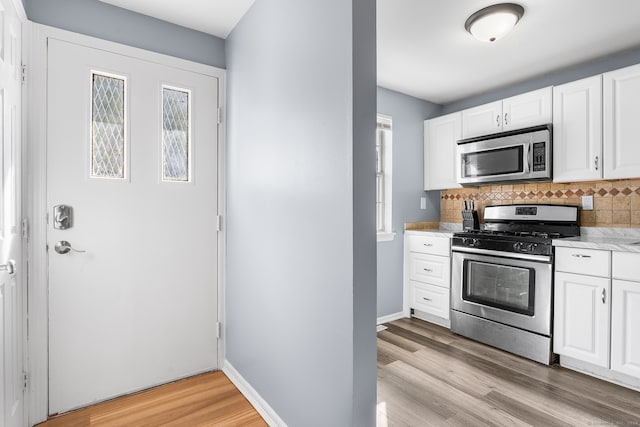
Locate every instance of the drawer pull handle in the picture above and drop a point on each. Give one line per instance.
(427, 299)
(428, 244)
(604, 296)
(428, 270)
(580, 256)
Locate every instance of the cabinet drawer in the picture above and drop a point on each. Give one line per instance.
(429, 245)
(625, 266)
(583, 261)
(432, 269)
(430, 299)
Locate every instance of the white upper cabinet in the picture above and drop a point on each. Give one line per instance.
(622, 123)
(577, 130)
(482, 120)
(529, 109)
(440, 140)
(521, 111)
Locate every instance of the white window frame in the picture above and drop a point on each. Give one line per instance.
(384, 167)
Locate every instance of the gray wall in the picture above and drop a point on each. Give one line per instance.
(300, 276)
(408, 114)
(105, 21)
(602, 65)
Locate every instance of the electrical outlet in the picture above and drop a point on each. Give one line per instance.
(587, 203)
(423, 203)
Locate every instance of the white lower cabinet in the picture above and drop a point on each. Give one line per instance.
(582, 317)
(597, 315)
(625, 314)
(427, 277)
(625, 328)
(430, 299)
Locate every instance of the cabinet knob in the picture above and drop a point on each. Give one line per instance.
(498, 120)
(604, 296)
(506, 121)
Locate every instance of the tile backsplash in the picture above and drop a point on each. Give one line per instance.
(615, 203)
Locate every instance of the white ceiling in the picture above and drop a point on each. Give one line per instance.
(424, 50)
(215, 17)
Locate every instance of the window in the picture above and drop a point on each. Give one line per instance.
(108, 126)
(383, 178)
(176, 136)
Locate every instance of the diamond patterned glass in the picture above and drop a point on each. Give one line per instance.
(175, 135)
(107, 127)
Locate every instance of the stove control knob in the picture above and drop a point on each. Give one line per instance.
(531, 247)
(475, 243)
(517, 247)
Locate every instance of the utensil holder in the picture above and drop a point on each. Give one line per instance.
(470, 220)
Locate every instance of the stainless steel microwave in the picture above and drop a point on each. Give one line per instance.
(519, 155)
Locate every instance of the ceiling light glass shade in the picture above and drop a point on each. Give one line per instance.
(493, 22)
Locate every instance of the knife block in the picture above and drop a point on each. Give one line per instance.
(470, 220)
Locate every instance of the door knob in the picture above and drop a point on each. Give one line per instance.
(9, 267)
(64, 247)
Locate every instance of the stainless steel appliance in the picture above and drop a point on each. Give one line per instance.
(521, 155)
(502, 277)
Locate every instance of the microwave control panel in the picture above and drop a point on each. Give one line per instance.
(539, 157)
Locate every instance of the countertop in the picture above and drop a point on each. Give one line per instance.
(434, 232)
(610, 239)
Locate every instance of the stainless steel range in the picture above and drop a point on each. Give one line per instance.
(502, 277)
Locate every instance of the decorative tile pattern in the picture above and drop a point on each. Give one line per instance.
(616, 203)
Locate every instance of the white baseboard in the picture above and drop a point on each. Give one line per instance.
(270, 416)
(390, 318)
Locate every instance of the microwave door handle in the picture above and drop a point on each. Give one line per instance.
(527, 158)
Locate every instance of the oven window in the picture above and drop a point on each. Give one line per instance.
(501, 161)
(502, 286)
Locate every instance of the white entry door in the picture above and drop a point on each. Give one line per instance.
(132, 240)
(11, 291)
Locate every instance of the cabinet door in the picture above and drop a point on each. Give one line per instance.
(625, 333)
(440, 140)
(431, 299)
(577, 130)
(529, 109)
(621, 123)
(581, 318)
(431, 269)
(482, 120)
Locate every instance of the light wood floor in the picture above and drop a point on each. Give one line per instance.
(428, 376)
(204, 400)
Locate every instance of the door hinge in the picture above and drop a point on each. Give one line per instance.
(23, 73)
(25, 380)
(219, 115)
(25, 228)
(218, 330)
(219, 223)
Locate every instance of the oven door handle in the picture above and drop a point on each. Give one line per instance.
(488, 252)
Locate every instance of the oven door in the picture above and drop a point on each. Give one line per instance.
(496, 286)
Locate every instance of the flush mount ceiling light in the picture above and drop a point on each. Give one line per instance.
(493, 22)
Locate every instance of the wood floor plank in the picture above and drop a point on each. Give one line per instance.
(204, 400)
(509, 383)
(441, 394)
(398, 341)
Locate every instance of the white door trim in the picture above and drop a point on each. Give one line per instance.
(35, 187)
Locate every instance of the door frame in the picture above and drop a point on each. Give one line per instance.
(35, 204)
